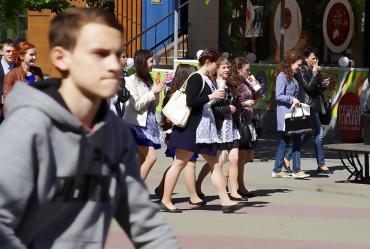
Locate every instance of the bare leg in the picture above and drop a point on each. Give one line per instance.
(181, 159)
(147, 158)
(189, 172)
(160, 187)
(233, 172)
(244, 157)
(202, 175)
(218, 180)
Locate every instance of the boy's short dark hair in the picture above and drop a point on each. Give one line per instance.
(6, 41)
(65, 26)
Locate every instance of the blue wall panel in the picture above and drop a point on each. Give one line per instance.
(151, 14)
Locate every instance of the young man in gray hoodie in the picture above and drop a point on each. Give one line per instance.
(68, 164)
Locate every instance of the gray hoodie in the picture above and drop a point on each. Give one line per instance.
(53, 194)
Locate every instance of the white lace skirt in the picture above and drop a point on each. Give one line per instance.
(206, 130)
(227, 133)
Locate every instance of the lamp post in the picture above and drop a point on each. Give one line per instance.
(282, 29)
(176, 31)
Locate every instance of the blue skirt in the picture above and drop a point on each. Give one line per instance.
(149, 135)
(184, 138)
(171, 152)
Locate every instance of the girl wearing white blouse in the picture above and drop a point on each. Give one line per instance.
(140, 110)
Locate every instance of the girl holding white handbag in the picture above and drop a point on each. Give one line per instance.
(184, 138)
(286, 97)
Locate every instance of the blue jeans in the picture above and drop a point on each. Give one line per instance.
(317, 133)
(295, 153)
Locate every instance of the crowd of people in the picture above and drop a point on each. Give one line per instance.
(72, 147)
(222, 95)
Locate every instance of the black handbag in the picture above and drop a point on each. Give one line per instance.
(245, 133)
(366, 119)
(298, 123)
(325, 113)
(123, 93)
(366, 130)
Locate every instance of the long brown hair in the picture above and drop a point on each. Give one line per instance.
(286, 65)
(182, 73)
(141, 66)
(235, 79)
(21, 50)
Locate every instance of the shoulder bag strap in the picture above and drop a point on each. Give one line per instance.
(183, 87)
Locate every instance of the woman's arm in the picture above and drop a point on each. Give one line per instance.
(280, 90)
(9, 81)
(311, 82)
(139, 102)
(221, 107)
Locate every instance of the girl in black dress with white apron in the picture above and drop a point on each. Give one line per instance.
(199, 94)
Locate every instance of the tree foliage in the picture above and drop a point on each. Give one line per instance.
(11, 8)
(53, 5)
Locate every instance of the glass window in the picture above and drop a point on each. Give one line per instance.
(249, 27)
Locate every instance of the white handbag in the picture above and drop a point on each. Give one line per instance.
(176, 109)
(298, 120)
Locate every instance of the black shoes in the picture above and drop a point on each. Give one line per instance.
(238, 198)
(247, 194)
(232, 208)
(166, 209)
(201, 195)
(200, 203)
(287, 168)
(158, 193)
(324, 170)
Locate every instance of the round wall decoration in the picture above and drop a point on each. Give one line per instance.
(338, 25)
(292, 25)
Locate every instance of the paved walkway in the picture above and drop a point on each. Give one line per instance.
(320, 212)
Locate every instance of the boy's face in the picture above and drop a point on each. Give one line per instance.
(93, 64)
(7, 52)
(123, 59)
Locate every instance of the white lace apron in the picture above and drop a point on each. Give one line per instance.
(206, 131)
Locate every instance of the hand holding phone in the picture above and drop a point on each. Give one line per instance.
(316, 66)
(326, 82)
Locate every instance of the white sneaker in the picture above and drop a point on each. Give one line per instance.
(281, 174)
(300, 175)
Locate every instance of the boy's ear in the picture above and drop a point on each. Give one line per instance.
(60, 58)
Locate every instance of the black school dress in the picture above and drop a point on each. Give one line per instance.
(184, 138)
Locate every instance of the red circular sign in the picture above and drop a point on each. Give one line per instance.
(338, 24)
(288, 18)
(349, 117)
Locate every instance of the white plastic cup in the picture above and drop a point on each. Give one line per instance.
(221, 83)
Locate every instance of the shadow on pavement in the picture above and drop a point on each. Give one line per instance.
(268, 192)
(315, 174)
(213, 207)
(267, 150)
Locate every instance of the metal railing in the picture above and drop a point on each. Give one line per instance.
(182, 33)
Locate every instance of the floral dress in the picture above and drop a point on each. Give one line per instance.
(149, 135)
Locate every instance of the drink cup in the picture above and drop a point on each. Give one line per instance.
(221, 83)
(253, 83)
